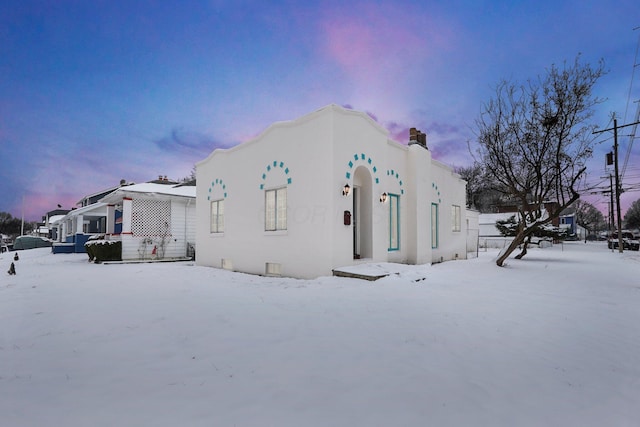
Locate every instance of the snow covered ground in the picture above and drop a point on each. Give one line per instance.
(551, 340)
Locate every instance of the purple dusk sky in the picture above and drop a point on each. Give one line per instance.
(92, 92)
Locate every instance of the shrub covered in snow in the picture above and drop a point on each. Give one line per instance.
(104, 250)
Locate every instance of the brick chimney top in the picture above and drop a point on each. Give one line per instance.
(417, 137)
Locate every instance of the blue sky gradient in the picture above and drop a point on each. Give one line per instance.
(94, 92)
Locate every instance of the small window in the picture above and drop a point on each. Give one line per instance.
(217, 216)
(455, 218)
(275, 212)
(434, 225)
(394, 222)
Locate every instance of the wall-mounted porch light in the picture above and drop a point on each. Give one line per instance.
(383, 197)
(346, 189)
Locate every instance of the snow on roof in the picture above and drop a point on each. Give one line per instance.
(87, 209)
(55, 218)
(151, 188)
(492, 218)
(105, 191)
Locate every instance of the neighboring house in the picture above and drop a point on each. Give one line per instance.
(489, 235)
(76, 227)
(53, 231)
(6, 243)
(324, 191)
(51, 218)
(71, 231)
(153, 221)
(569, 222)
(95, 197)
(546, 207)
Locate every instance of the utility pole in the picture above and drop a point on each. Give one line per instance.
(615, 165)
(615, 162)
(22, 215)
(611, 207)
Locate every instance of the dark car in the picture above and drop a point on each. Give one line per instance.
(31, 242)
(629, 242)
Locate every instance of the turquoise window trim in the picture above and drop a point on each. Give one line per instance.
(395, 174)
(276, 164)
(394, 202)
(218, 182)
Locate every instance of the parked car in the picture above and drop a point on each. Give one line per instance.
(629, 242)
(30, 242)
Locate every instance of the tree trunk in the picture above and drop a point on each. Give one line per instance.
(524, 247)
(524, 250)
(517, 240)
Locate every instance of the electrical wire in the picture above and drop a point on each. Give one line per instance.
(633, 129)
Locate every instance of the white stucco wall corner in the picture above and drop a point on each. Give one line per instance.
(313, 157)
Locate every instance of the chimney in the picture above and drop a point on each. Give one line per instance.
(417, 137)
(413, 135)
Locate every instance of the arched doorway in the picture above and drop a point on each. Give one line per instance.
(362, 213)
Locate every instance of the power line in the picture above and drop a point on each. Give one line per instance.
(632, 136)
(637, 118)
(633, 72)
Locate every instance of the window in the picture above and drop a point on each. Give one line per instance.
(455, 218)
(275, 209)
(217, 216)
(434, 225)
(394, 222)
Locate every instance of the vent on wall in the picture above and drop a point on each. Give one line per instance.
(272, 269)
(227, 264)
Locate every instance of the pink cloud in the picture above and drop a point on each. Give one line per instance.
(386, 56)
(368, 44)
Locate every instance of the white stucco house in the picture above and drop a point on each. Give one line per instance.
(324, 191)
(153, 221)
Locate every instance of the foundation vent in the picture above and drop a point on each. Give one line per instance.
(273, 269)
(227, 264)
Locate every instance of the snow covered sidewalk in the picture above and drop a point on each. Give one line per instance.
(551, 340)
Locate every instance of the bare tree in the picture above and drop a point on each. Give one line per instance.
(480, 193)
(191, 177)
(632, 217)
(534, 139)
(588, 216)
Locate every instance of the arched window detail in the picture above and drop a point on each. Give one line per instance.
(217, 190)
(275, 166)
(393, 174)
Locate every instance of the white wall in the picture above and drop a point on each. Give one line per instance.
(361, 143)
(301, 149)
(448, 189)
(418, 225)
